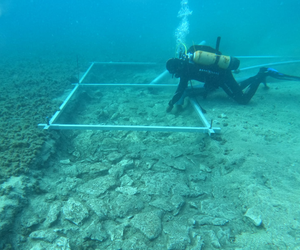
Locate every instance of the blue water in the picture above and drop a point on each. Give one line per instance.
(144, 30)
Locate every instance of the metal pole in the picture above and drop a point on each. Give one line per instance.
(258, 57)
(88, 70)
(270, 64)
(202, 117)
(128, 128)
(62, 106)
(128, 84)
(159, 77)
(126, 63)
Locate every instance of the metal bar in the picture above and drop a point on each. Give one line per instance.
(270, 64)
(159, 77)
(202, 117)
(84, 75)
(128, 84)
(126, 63)
(54, 117)
(259, 57)
(128, 128)
(62, 106)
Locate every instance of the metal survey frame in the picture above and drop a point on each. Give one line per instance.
(52, 125)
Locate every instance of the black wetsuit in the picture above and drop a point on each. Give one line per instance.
(215, 77)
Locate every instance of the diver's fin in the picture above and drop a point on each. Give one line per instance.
(275, 74)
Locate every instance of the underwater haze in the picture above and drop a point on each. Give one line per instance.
(121, 29)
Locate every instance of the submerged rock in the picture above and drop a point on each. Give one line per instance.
(75, 212)
(177, 201)
(45, 235)
(127, 190)
(99, 206)
(95, 232)
(114, 157)
(126, 180)
(134, 243)
(125, 204)
(162, 203)
(160, 183)
(178, 235)
(11, 202)
(148, 223)
(61, 243)
(179, 165)
(214, 241)
(8, 208)
(115, 231)
(254, 216)
(199, 243)
(97, 186)
(126, 164)
(197, 177)
(92, 169)
(52, 214)
(209, 220)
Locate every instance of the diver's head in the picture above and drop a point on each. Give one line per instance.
(175, 66)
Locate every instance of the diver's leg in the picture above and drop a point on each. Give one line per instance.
(235, 90)
(250, 85)
(261, 76)
(231, 87)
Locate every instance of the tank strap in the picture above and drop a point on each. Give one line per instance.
(217, 50)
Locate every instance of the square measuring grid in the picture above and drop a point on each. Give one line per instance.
(133, 106)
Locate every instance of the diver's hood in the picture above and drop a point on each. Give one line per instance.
(174, 65)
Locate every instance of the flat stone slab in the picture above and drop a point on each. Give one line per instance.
(52, 214)
(127, 190)
(97, 186)
(75, 212)
(148, 223)
(209, 220)
(45, 235)
(99, 206)
(178, 235)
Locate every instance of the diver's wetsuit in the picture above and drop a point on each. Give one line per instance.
(214, 77)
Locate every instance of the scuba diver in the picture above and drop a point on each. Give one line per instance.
(208, 65)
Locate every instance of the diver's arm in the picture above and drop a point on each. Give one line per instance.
(179, 92)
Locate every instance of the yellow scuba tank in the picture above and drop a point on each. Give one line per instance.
(208, 58)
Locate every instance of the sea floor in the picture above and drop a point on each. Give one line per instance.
(146, 190)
